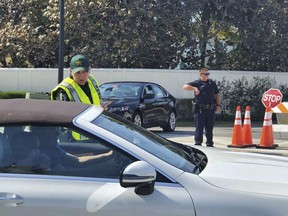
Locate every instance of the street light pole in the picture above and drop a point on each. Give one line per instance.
(61, 43)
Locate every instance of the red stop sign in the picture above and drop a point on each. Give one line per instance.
(272, 98)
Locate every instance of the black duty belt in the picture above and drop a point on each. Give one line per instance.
(207, 106)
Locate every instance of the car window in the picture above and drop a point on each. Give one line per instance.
(148, 89)
(158, 91)
(57, 150)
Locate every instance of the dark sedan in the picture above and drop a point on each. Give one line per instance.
(144, 103)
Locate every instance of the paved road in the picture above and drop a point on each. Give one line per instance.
(223, 137)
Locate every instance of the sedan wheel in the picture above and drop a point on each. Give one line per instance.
(137, 119)
(171, 124)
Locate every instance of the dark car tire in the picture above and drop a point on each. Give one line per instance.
(171, 124)
(137, 119)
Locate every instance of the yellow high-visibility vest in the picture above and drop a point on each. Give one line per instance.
(76, 94)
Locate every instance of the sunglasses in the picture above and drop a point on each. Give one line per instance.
(205, 74)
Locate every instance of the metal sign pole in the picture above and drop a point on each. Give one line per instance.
(61, 43)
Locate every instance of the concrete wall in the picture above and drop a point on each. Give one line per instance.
(44, 80)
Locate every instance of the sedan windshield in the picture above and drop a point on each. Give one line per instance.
(183, 157)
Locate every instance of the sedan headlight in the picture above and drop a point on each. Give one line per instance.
(119, 109)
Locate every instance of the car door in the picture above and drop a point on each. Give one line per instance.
(161, 104)
(148, 105)
(40, 195)
(67, 188)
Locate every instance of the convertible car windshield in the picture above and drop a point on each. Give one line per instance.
(183, 157)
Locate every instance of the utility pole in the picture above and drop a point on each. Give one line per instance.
(61, 43)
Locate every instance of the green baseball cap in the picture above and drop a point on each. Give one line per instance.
(79, 63)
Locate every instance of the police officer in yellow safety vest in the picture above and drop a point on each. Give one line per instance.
(80, 86)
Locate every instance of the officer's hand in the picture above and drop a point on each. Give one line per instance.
(105, 105)
(197, 91)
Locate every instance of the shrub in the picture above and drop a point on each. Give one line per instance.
(12, 94)
(238, 92)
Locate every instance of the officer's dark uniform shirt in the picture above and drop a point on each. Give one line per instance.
(208, 89)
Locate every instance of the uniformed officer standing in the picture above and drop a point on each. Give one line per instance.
(80, 86)
(207, 102)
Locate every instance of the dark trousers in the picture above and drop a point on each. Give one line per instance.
(204, 119)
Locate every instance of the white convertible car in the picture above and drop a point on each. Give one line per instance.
(63, 158)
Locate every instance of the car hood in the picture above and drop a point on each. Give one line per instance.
(116, 102)
(250, 172)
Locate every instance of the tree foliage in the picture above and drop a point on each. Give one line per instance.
(263, 36)
(220, 34)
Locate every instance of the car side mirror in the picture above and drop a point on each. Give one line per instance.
(140, 175)
(149, 96)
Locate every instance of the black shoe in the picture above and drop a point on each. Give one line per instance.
(209, 145)
(198, 144)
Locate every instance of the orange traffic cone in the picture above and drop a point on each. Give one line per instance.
(237, 139)
(267, 137)
(246, 130)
